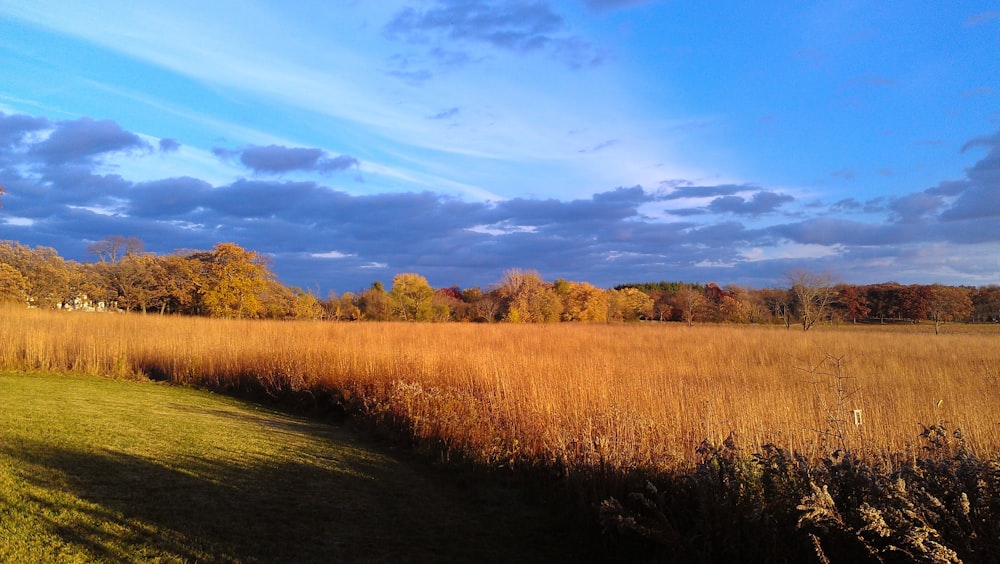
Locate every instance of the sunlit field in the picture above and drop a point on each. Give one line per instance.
(569, 396)
(97, 470)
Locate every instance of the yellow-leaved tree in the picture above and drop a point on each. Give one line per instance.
(13, 286)
(629, 304)
(582, 301)
(233, 280)
(528, 298)
(411, 297)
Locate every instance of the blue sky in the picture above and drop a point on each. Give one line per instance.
(595, 140)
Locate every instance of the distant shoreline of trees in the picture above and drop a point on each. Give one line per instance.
(232, 282)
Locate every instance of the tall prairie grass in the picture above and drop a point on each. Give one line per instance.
(568, 396)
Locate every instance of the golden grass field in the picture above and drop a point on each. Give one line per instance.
(571, 395)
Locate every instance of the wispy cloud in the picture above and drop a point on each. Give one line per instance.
(445, 114)
(600, 146)
(520, 27)
(516, 26)
(505, 118)
(982, 18)
(169, 145)
(613, 4)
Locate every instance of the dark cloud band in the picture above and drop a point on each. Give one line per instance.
(57, 196)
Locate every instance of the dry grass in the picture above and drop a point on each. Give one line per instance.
(569, 396)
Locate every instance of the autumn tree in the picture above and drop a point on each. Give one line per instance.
(582, 301)
(375, 304)
(884, 300)
(629, 304)
(814, 293)
(13, 286)
(986, 303)
(729, 304)
(733, 309)
(124, 279)
(483, 306)
(852, 302)
(182, 278)
(342, 308)
(411, 297)
(152, 292)
(470, 295)
(662, 308)
(447, 305)
(306, 305)
(778, 302)
(277, 301)
(915, 302)
(89, 281)
(283, 302)
(46, 274)
(234, 281)
(349, 310)
(947, 303)
(759, 312)
(528, 298)
(690, 304)
(134, 281)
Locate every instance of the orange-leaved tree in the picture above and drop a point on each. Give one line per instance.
(948, 303)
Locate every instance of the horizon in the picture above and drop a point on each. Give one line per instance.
(724, 286)
(602, 141)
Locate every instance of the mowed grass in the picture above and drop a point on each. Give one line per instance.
(95, 469)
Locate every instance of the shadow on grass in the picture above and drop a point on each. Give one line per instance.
(376, 510)
(275, 417)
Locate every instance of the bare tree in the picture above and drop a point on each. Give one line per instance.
(690, 303)
(814, 293)
(116, 247)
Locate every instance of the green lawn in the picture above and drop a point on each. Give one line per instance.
(103, 470)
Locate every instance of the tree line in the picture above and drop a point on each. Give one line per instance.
(233, 282)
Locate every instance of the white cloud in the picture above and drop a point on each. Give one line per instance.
(502, 229)
(790, 251)
(19, 221)
(331, 255)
